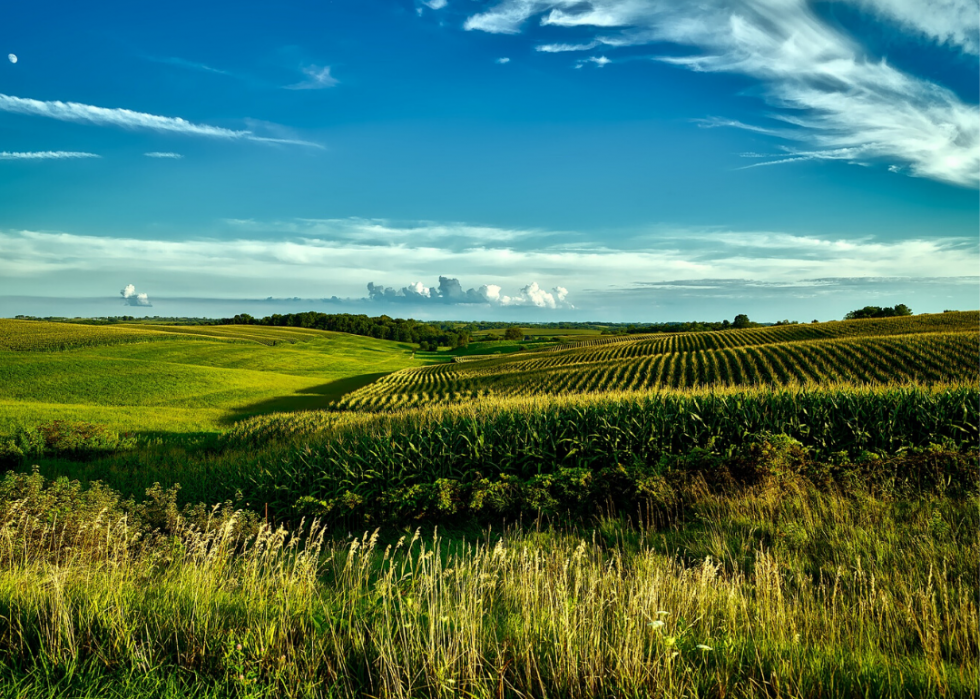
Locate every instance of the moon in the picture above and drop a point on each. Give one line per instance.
(12, 57)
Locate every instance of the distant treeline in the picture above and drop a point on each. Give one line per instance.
(878, 312)
(429, 336)
(741, 321)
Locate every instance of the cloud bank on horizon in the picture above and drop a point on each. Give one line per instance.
(843, 104)
(450, 291)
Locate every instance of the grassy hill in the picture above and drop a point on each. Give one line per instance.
(923, 349)
(163, 378)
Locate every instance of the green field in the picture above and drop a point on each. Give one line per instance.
(926, 349)
(786, 512)
(179, 379)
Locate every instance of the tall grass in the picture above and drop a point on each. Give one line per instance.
(778, 591)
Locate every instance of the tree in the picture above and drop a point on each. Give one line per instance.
(741, 321)
(514, 333)
(878, 312)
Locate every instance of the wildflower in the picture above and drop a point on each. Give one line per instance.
(703, 647)
(238, 646)
(657, 624)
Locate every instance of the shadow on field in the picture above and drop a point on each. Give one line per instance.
(315, 398)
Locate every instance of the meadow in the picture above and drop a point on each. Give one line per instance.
(145, 378)
(775, 512)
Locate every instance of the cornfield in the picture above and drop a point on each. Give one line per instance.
(785, 355)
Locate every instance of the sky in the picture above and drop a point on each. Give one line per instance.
(536, 160)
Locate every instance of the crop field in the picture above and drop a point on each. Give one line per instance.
(180, 379)
(929, 349)
(246, 511)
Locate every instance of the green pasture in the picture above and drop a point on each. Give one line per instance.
(185, 378)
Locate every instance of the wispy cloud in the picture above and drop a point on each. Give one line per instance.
(46, 155)
(952, 22)
(562, 48)
(599, 61)
(158, 154)
(129, 119)
(502, 61)
(123, 118)
(266, 256)
(190, 65)
(318, 78)
(819, 78)
(435, 4)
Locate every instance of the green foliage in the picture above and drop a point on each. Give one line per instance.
(65, 439)
(570, 456)
(898, 310)
(825, 594)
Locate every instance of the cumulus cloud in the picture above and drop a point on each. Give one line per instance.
(450, 291)
(503, 61)
(46, 155)
(131, 298)
(317, 78)
(127, 119)
(158, 154)
(819, 78)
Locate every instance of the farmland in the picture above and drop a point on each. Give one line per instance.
(787, 511)
(179, 379)
(927, 350)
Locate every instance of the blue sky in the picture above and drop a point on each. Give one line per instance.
(598, 159)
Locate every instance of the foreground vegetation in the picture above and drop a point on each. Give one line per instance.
(782, 589)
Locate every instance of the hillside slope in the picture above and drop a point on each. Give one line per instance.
(174, 378)
(922, 349)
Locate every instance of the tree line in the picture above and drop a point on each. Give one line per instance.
(429, 336)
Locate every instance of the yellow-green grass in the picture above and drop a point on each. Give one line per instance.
(222, 372)
(778, 591)
(22, 415)
(32, 336)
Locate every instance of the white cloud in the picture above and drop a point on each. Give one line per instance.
(127, 119)
(46, 155)
(600, 61)
(318, 77)
(435, 4)
(533, 295)
(819, 78)
(158, 154)
(326, 260)
(451, 292)
(502, 61)
(953, 22)
(131, 298)
(562, 48)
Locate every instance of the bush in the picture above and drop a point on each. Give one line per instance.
(62, 438)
